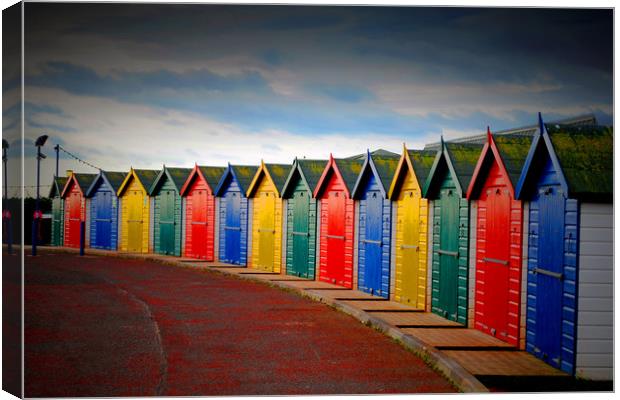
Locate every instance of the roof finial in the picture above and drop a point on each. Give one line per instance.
(441, 139)
(489, 136)
(367, 153)
(331, 157)
(541, 125)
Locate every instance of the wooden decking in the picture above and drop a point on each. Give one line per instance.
(502, 363)
(413, 320)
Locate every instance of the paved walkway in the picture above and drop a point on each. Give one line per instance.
(465, 355)
(129, 326)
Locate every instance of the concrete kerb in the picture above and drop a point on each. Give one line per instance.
(452, 370)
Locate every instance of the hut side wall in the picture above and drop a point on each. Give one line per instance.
(595, 341)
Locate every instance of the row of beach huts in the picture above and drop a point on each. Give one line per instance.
(509, 233)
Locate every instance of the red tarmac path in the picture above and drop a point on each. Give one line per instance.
(105, 326)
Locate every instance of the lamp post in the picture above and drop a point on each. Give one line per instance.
(37, 212)
(6, 214)
(57, 148)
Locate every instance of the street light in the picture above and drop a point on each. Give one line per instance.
(6, 214)
(40, 142)
(5, 146)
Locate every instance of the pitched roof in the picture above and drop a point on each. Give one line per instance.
(146, 176)
(84, 180)
(349, 169)
(385, 166)
(513, 149)
(309, 171)
(243, 174)
(58, 183)
(312, 170)
(212, 174)
(178, 176)
(585, 154)
(278, 173)
(115, 178)
(464, 157)
(378, 153)
(422, 161)
(587, 119)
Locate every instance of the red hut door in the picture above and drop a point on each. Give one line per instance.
(199, 224)
(497, 260)
(72, 238)
(335, 238)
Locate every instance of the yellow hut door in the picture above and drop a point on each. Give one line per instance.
(135, 199)
(266, 232)
(409, 286)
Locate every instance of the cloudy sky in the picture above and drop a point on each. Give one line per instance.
(142, 85)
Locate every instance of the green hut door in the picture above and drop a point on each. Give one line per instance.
(301, 212)
(448, 253)
(166, 222)
(56, 220)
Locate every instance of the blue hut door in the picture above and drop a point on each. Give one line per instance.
(372, 242)
(233, 227)
(103, 220)
(549, 274)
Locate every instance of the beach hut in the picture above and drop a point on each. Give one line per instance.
(337, 213)
(568, 182)
(73, 195)
(445, 189)
(135, 210)
(233, 209)
(301, 216)
(58, 206)
(374, 222)
(265, 194)
(198, 192)
(411, 226)
(498, 301)
(168, 209)
(103, 212)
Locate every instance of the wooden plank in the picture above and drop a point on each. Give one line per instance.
(345, 294)
(287, 278)
(412, 320)
(311, 285)
(502, 363)
(232, 270)
(456, 338)
(379, 305)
